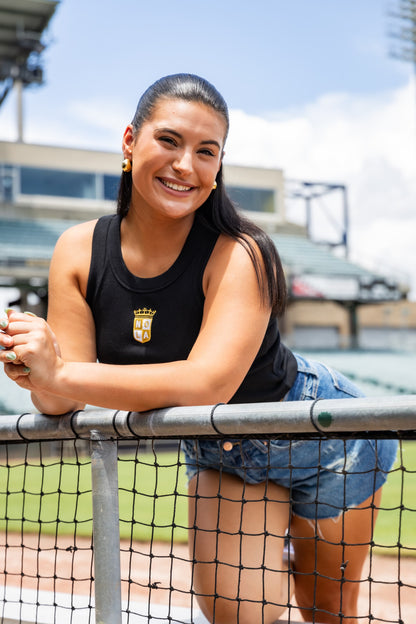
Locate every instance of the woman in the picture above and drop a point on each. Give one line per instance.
(162, 294)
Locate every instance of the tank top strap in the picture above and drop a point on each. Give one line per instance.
(99, 257)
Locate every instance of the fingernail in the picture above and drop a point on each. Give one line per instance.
(7, 310)
(30, 313)
(26, 369)
(4, 323)
(11, 356)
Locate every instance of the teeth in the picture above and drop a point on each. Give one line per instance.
(176, 187)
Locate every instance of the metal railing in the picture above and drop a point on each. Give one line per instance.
(385, 417)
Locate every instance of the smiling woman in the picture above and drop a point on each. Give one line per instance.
(177, 297)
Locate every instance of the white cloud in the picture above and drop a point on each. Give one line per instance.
(330, 137)
(387, 245)
(366, 143)
(93, 123)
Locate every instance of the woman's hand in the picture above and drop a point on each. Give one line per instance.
(30, 353)
(6, 341)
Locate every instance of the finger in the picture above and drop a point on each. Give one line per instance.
(4, 321)
(20, 375)
(6, 341)
(12, 315)
(19, 327)
(23, 323)
(10, 312)
(8, 356)
(14, 371)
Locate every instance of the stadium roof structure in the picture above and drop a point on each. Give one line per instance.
(22, 23)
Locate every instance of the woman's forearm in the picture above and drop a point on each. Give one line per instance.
(137, 387)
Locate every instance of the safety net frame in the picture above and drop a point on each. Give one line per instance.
(59, 476)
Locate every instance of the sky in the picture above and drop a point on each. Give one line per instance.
(312, 87)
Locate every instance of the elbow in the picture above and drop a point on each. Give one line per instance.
(207, 392)
(55, 406)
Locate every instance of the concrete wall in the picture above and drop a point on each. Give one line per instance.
(326, 324)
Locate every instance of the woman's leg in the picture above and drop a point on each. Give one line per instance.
(329, 557)
(237, 547)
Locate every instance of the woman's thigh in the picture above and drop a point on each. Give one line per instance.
(237, 547)
(329, 559)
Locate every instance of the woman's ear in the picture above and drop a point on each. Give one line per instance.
(127, 143)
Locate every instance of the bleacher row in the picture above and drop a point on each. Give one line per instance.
(22, 241)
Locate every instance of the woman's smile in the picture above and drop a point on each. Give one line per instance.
(178, 187)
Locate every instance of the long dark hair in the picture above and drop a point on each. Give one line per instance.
(218, 211)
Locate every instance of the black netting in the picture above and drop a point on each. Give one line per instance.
(234, 546)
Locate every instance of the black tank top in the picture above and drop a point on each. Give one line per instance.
(152, 320)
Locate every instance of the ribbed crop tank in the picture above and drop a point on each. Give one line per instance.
(152, 320)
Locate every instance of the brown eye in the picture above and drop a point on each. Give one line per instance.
(167, 139)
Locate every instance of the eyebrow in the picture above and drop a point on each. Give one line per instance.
(178, 134)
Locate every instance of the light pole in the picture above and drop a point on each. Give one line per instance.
(404, 34)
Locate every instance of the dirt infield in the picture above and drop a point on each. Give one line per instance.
(67, 567)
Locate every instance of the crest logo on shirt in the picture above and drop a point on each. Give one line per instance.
(142, 324)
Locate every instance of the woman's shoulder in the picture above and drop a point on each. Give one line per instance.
(77, 234)
(72, 257)
(242, 248)
(72, 254)
(238, 257)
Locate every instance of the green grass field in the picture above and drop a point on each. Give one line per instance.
(55, 498)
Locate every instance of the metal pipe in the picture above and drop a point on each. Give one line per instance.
(19, 101)
(328, 415)
(387, 413)
(106, 529)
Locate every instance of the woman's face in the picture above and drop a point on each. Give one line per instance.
(175, 158)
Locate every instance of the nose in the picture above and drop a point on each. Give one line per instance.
(183, 162)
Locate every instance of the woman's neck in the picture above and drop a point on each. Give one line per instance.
(151, 246)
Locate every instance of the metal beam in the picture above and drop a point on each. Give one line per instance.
(329, 416)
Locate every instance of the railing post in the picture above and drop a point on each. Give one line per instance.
(106, 530)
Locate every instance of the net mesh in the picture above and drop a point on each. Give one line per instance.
(46, 543)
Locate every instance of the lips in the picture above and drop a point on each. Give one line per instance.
(174, 186)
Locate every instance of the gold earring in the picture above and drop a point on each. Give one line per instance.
(214, 186)
(126, 165)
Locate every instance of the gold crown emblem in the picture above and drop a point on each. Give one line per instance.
(144, 312)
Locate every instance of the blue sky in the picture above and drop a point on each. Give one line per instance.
(263, 56)
(311, 87)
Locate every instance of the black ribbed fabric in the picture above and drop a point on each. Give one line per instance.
(152, 320)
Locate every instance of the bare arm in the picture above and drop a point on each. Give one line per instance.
(70, 328)
(233, 326)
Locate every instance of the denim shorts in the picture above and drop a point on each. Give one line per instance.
(324, 476)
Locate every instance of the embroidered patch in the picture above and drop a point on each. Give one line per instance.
(142, 324)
